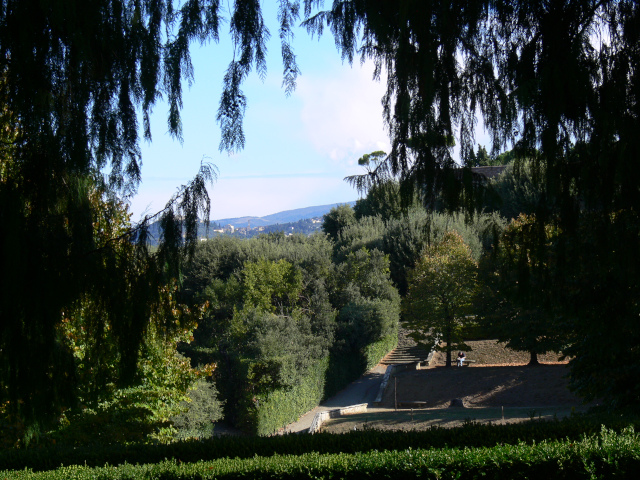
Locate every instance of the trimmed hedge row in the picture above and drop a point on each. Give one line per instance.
(470, 435)
(374, 352)
(265, 414)
(281, 407)
(605, 455)
(344, 368)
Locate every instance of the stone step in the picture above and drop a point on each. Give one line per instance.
(405, 354)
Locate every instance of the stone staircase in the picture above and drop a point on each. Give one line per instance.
(405, 354)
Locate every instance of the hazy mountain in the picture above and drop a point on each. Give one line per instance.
(287, 216)
(286, 219)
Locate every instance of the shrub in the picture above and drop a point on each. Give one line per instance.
(202, 409)
(602, 455)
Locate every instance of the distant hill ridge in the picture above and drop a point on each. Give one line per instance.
(287, 216)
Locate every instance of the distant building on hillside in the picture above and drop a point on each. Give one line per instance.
(480, 175)
(489, 172)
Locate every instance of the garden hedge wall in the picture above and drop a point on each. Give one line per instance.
(281, 407)
(323, 379)
(470, 435)
(604, 455)
(374, 352)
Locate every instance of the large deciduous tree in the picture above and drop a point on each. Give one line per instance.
(442, 286)
(518, 306)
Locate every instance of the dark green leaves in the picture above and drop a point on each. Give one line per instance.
(541, 76)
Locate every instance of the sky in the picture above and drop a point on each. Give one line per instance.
(298, 148)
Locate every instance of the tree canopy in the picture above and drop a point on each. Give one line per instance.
(516, 304)
(557, 78)
(555, 81)
(442, 286)
(545, 76)
(280, 308)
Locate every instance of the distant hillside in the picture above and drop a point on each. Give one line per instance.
(288, 216)
(291, 221)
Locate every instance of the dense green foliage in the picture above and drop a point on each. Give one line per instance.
(556, 80)
(600, 455)
(73, 76)
(519, 189)
(115, 364)
(543, 76)
(515, 305)
(337, 220)
(283, 318)
(442, 287)
(280, 406)
(403, 238)
(470, 435)
(598, 286)
(200, 410)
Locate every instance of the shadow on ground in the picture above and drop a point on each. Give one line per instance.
(513, 386)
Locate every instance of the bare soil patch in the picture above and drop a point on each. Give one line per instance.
(492, 352)
(499, 377)
(499, 387)
(480, 386)
(423, 419)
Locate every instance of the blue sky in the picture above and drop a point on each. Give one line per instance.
(298, 149)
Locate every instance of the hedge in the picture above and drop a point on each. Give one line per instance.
(281, 407)
(374, 352)
(322, 379)
(470, 435)
(604, 455)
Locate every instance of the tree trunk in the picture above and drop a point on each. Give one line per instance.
(533, 360)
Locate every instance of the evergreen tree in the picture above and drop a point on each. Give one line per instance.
(73, 75)
(337, 220)
(519, 189)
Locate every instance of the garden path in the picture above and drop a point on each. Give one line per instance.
(363, 390)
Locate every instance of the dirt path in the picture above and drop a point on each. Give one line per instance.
(499, 387)
(498, 394)
(513, 386)
(363, 390)
(424, 419)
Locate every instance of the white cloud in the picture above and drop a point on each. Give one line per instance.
(342, 112)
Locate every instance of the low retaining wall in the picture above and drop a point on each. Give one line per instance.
(384, 383)
(337, 412)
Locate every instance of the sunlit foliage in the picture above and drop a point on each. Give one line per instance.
(440, 298)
